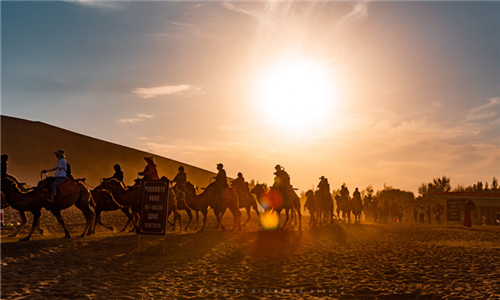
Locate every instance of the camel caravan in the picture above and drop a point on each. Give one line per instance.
(63, 190)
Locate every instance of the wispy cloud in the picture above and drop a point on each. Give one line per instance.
(166, 90)
(109, 4)
(136, 119)
(485, 111)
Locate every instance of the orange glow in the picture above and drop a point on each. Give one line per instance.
(269, 220)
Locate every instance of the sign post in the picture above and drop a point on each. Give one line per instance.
(154, 207)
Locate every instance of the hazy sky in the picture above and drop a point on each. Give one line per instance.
(360, 92)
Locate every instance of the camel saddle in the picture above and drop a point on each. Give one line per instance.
(68, 187)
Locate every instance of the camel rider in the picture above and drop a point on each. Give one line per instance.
(282, 179)
(60, 174)
(181, 178)
(220, 182)
(239, 182)
(150, 172)
(118, 173)
(344, 192)
(324, 187)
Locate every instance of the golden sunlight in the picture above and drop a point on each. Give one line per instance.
(296, 94)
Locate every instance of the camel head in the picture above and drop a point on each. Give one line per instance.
(113, 185)
(259, 190)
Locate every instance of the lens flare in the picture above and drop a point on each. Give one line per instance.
(270, 220)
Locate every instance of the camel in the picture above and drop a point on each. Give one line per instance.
(273, 200)
(127, 197)
(325, 202)
(344, 206)
(103, 200)
(36, 199)
(229, 200)
(132, 197)
(31, 201)
(180, 197)
(246, 201)
(200, 202)
(196, 203)
(313, 207)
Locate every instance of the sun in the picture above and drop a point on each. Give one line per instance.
(296, 94)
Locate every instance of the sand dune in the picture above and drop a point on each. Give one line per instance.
(346, 261)
(30, 146)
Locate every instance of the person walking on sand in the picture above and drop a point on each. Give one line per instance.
(469, 206)
(60, 174)
(150, 172)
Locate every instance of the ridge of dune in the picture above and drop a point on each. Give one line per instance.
(30, 146)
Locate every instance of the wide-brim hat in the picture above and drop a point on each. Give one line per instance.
(322, 177)
(219, 164)
(60, 152)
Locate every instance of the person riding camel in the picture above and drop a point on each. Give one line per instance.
(180, 179)
(60, 174)
(282, 180)
(344, 192)
(118, 173)
(150, 172)
(220, 182)
(324, 187)
(239, 183)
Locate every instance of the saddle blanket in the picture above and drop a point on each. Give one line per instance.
(68, 187)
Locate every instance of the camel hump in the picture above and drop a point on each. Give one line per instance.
(227, 193)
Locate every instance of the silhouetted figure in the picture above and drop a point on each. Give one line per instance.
(282, 180)
(118, 175)
(438, 211)
(312, 205)
(239, 182)
(150, 172)
(469, 206)
(415, 214)
(357, 206)
(220, 182)
(60, 174)
(325, 201)
(180, 179)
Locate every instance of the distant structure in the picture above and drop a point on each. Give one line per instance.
(487, 205)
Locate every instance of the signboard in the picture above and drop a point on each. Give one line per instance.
(154, 207)
(453, 210)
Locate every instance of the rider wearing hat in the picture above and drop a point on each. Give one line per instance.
(150, 172)
(60, 174)
(282, 179)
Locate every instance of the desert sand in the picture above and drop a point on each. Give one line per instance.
(346, 261)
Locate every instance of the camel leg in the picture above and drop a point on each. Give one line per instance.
(205, 213)
(99, 221)
(178, 216)
(219, 215)
(36, 221)
(57, 214)
(248, 215)
(286, 218)
(197, 218)
(254, 205)
(96, 220)
(22, 214)
(300, 217)
(190, 215)
(237, 218)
